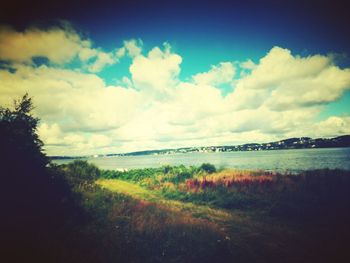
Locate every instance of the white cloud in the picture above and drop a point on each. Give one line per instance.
(278, 97)
(157, 72)
(332, 126)
(120, 52)
(220, 74)
(57, 44)
(51, 134)
(326, 86)
(78, 100)
(60, 45)
(99, 140)
(192, 102)
(85, 54)
(279, 66)
(247, 65)
(133, 47)
(102, 59)
(282, 81)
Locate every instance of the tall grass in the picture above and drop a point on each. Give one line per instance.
(281, 194)
(124, 228)
(158, 215)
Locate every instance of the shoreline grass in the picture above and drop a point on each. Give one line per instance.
(189, 214)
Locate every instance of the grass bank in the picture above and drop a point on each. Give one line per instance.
(199, 214)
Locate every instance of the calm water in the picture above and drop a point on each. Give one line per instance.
(280, 160)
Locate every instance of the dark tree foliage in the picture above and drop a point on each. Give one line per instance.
(18, 136)
(34, 200)
(207, 167)
(80, 173)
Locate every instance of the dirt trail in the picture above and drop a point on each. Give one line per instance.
(140, 193)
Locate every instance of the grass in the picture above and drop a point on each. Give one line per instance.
(189, 214)
(156, 228)
(142, 194)
(127, 188)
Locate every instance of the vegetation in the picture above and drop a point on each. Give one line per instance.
(290, 215)
(34, 201)
(79, 213)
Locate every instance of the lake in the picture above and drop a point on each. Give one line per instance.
(292, 160)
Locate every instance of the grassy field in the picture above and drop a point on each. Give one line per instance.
(139, 193)
(200, 214)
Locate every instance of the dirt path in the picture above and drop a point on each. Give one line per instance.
(248, 238)
(140, 193)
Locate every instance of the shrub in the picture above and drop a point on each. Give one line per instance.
(81, 173)
(208, 168)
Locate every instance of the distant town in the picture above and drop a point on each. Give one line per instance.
(291, 143)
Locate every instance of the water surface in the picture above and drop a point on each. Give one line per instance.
(279, 160)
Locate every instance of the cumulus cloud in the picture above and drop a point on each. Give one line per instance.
(60, 45)
(220, 74)
(57, 44)
(277, 97)
(51, 134)
(247, 65)
(282, 81)
(157, 72)
(58, 142)
(333, 126)
(77, 100)
(133, 47)
(102, 59)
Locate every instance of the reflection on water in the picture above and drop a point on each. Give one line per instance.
(279, 160)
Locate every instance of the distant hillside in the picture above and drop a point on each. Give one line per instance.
(291, 143)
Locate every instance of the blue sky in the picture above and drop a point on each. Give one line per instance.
(209, 32)
(158, 74)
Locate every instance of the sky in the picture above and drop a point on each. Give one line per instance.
(121, 76)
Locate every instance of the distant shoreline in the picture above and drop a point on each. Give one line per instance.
(291, 143)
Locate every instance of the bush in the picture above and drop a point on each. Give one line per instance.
(208, 168)
(81, 173)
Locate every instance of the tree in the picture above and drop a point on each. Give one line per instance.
(80, 174)
(208, 168)
(21, 147)
(34, 201)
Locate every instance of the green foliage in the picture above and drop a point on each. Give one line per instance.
(148, 233)
(18, 138)
(284, 195)
(36, 201)
(135, 175)
(208, 168)
(81, 173)
(178, 174)
(288, 210)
